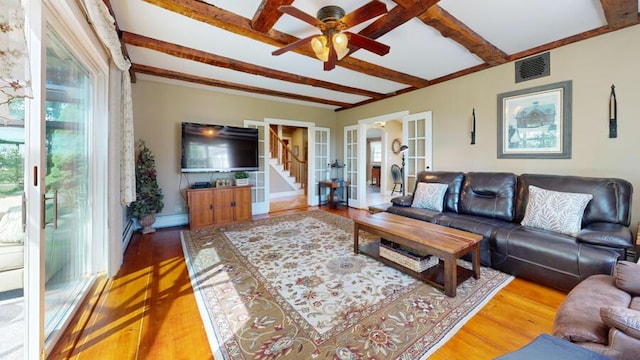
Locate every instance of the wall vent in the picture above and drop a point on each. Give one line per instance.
(533, 67)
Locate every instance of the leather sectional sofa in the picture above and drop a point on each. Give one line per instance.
(494, 204)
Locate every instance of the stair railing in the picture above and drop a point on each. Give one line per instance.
(297, 167)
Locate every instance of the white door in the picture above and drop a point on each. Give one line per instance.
(319, 158)
(418, 135)
(355, 160)
(260, 179)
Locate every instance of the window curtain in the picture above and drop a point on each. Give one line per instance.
(105, 28)
(15, 81)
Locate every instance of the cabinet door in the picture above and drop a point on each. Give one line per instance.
(200, 208)
(242, 199)
(223, 204)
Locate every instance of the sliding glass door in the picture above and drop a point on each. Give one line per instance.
(66, 202)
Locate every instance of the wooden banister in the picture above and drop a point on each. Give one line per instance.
(297, 167)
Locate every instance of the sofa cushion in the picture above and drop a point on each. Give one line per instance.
(548, 257)
(606, 234)
(475, 224)
(11, 256)
(628, 277)
(611, 197)
(454, 179)
(555, 210)
(578, 317)
(11, 226)
(622, 318)
(490, 195)
(415, 213)
(429, 196)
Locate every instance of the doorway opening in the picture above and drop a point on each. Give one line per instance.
(288, 167)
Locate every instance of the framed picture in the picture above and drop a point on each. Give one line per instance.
(535, 123)
(296, 150)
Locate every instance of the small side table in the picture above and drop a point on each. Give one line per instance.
(333, 185)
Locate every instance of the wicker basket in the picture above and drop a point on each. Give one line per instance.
(415, 263)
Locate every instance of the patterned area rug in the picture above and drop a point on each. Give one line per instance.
(290, 287)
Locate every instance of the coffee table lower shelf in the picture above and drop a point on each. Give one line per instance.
(433, 276)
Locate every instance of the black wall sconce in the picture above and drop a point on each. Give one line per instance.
(613, 114)
(473, 127)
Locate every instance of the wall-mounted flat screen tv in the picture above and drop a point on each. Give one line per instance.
(211, 148)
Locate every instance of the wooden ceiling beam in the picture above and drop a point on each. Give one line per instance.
(229, 21)
(396, 17)
(154, 71)
(620, 13)
(457, 31)
(132, 73)
(236, 65)
(267, 14)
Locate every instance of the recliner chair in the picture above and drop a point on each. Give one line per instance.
(602, 313)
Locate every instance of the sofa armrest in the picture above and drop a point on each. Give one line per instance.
(405, 201)
(623, 319)
(606, 234)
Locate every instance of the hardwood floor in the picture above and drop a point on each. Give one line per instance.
(148, 311)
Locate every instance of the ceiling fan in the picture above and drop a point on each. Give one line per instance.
(334, 42)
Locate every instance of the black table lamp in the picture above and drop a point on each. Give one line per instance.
(403, 150)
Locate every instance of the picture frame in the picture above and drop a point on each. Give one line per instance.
(296, 150)
(535, 123)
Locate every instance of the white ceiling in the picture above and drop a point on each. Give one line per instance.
(417, 49)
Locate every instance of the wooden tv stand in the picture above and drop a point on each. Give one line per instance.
(218, 205)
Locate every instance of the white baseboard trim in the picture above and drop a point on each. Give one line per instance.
(163, 221)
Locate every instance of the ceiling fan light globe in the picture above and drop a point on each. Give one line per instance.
(319, 46)
(341, 44)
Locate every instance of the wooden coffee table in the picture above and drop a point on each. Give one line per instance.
(446, 243)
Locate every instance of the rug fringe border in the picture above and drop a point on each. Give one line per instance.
(214, 341)
(466, 318)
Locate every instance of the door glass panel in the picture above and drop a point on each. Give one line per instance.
(67, 220)
(12, 152)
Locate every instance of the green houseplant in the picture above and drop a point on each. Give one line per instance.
(242, 178)
(148, 194)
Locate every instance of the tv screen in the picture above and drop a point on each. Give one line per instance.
(209, 148)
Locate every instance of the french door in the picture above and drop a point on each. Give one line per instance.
(319, 159)
(418, 135)
(260, 178)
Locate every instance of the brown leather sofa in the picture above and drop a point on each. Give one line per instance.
(493, 205)
(602, 313)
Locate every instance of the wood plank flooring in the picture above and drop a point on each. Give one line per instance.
(148, 311)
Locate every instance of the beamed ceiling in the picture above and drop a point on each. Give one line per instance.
(226, 45)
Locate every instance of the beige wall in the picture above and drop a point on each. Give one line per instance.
(160, 108)
(593, 65)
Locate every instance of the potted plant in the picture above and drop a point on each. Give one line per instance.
(148, 194)
(242, 178)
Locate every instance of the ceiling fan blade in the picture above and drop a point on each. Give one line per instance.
(367, 44)
(330, 64)
(293, 45)
(364, 13)
(299, 14)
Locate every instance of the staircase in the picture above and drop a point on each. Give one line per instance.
(297, 188)
(288, 166)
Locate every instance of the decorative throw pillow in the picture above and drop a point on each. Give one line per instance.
(555, 211)
(429, 196)
(623, 319)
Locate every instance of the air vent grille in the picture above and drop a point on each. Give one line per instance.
(533, 67)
